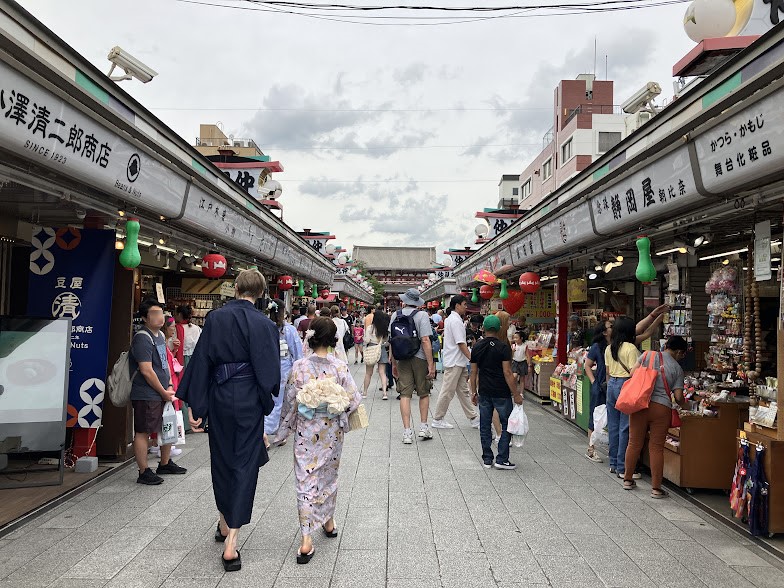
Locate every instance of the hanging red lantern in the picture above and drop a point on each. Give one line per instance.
(530, 283)
(486, 292)
(285, 283)
(324, 293)
(213, 265)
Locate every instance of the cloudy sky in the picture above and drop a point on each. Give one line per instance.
(389, 135)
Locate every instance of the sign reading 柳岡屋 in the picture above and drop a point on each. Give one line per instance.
(71, 276)
(41, 126)
(745, 147)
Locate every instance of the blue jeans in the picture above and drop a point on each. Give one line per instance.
(617, 426)
(504, 408)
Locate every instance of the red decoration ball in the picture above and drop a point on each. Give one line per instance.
(285, 283)
(213, 265)
(486, 292)
(530, 283)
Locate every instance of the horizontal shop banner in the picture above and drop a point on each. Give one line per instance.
(568, 230)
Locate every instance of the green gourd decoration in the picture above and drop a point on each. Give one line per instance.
(645, 273)
(474, 295)
(504, 292)
(130, 256)
(314, 291)
(301, 288)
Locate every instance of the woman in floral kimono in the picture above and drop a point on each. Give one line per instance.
(320, 395)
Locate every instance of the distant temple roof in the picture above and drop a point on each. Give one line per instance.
(395, 258)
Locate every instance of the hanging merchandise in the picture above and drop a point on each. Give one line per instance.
(645, 273)
(474, 295)
(514, 301)
(530, 283)
(486, 292)
(301, 288)
(130, 256)
(486, 277)
(504, 291)
(314, 291)
(324, 293)
(728, 348)
(738, 488)
(757, 493)
(285, 283)
(213, 265)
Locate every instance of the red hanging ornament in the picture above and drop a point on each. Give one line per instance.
(324, 293)
(486, 292)
(514, 302)
(213, 265)
(285, 283)
(530, 283)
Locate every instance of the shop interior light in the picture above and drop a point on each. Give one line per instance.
(121, 212)
(725, 262)
(726, 253)
(703, 239)
(618, 257)
(680, 246)
(604, 290)
(119, 245)
(667, 251)
(608, 266)
(161, 240)
(178, 255)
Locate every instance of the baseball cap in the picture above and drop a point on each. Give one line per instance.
(492, 323)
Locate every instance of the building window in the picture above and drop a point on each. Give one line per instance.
(608, 140)
(547, 169)
(527, 188)
(566, 151)
(515, 191)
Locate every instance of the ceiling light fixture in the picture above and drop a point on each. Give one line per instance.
(717, 255)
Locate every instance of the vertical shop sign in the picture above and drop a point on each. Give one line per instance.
(71, 276)
(762, 251)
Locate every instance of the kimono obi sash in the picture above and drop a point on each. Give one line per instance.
(227, 371)
(312, 413)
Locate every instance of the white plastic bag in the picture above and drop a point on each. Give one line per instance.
(517, 425)
(600, 435)
(180, 429)
(168, 434)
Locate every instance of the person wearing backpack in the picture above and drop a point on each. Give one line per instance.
(411, 355)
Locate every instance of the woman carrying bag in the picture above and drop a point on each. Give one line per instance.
(376, 339)
(657, 418)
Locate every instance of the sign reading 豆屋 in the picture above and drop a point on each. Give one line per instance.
(39, 125)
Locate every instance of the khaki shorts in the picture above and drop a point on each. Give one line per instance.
(412, 375)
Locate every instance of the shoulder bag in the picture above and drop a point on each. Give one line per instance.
(636, 391)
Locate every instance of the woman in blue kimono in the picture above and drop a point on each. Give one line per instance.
(290, 351)
(231, 379)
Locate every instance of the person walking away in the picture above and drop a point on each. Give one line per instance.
(359, 340)
(232, 379)
(319, 430)
(303, 314)
(656, 419)
(619, 358)
(150, 392)
(598, 379)
(455, 357)
(491, 361)
(342, 327)
(290, 351)
(412, 361)
(377, 334)
(304, 324)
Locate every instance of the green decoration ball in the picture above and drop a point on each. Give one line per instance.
(301, 288)
(130, 256)
(645, 273)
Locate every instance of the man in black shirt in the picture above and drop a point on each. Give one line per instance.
(491, 363)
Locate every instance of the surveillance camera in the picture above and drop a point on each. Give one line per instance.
(81, 213)
(132, 67)
(642, 98)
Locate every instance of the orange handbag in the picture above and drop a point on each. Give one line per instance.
(636, 391)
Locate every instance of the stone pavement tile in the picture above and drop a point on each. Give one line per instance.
(80, 512)
(166, 510)
(456, 565)
(75, 583)
(561, 570)
(191, 582)
(361, 564)
(434, 582)
(558, 545)
(675, 512)
(321, 565)
(761, 577)
(204, 561)
(513, 566)
(665, 572)
(622, 529)
(714, 570)
(407, 562)
(358, 537)
(44, 569)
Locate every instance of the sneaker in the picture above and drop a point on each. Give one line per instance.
(170, 468)
(635, 475)
(176, 450)
(408, 437)
(504, 465)
(487, 464)
(592, 455)
(424, 432)
(154, 450)
(475, 423)
(442, 424)
(613, 470)
(149, 478)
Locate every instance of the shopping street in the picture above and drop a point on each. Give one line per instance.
(410, 516)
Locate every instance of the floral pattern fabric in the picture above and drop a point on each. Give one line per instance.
(318, 442)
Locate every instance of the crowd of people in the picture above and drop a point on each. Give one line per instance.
(253, 381)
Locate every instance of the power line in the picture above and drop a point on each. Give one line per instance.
(257, 109)
(395, 147)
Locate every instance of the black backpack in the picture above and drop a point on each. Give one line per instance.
(348, 337)
(403, 336)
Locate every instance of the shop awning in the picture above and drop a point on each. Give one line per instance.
(330, 298)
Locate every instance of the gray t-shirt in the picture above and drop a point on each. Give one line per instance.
(672, 371)
(143, 349)
(422, 323)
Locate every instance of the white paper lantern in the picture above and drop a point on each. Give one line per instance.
(709, 19)
(330, 249)
(482, 230)
(352, 272)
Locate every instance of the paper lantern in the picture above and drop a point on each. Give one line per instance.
(514, 301)
(213, 265)
(285, 283)
(474, 295)
(324, 293)
(130, 256)
(709, 19)
(301, 288)
(645, 273)
(486, 292)
(504, 291)
(530, 283)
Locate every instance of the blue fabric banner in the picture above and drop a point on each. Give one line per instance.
(71, 276)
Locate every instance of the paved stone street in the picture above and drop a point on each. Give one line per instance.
(420, 516)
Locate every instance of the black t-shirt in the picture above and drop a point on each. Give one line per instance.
(489, 354)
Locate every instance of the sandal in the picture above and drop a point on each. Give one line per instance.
(232, 565)
(303, 558)
(331, 534)
(659, 493)
(219, 537)
(385, 397)
(629, 484)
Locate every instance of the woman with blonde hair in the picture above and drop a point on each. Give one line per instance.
(320, 395)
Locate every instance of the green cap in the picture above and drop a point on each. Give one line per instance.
(492, 323)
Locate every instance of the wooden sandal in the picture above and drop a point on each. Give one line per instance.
(629, 484)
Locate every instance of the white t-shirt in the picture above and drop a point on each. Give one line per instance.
(454, 333)
(192, 334)
(519, 352)
(342, 329)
